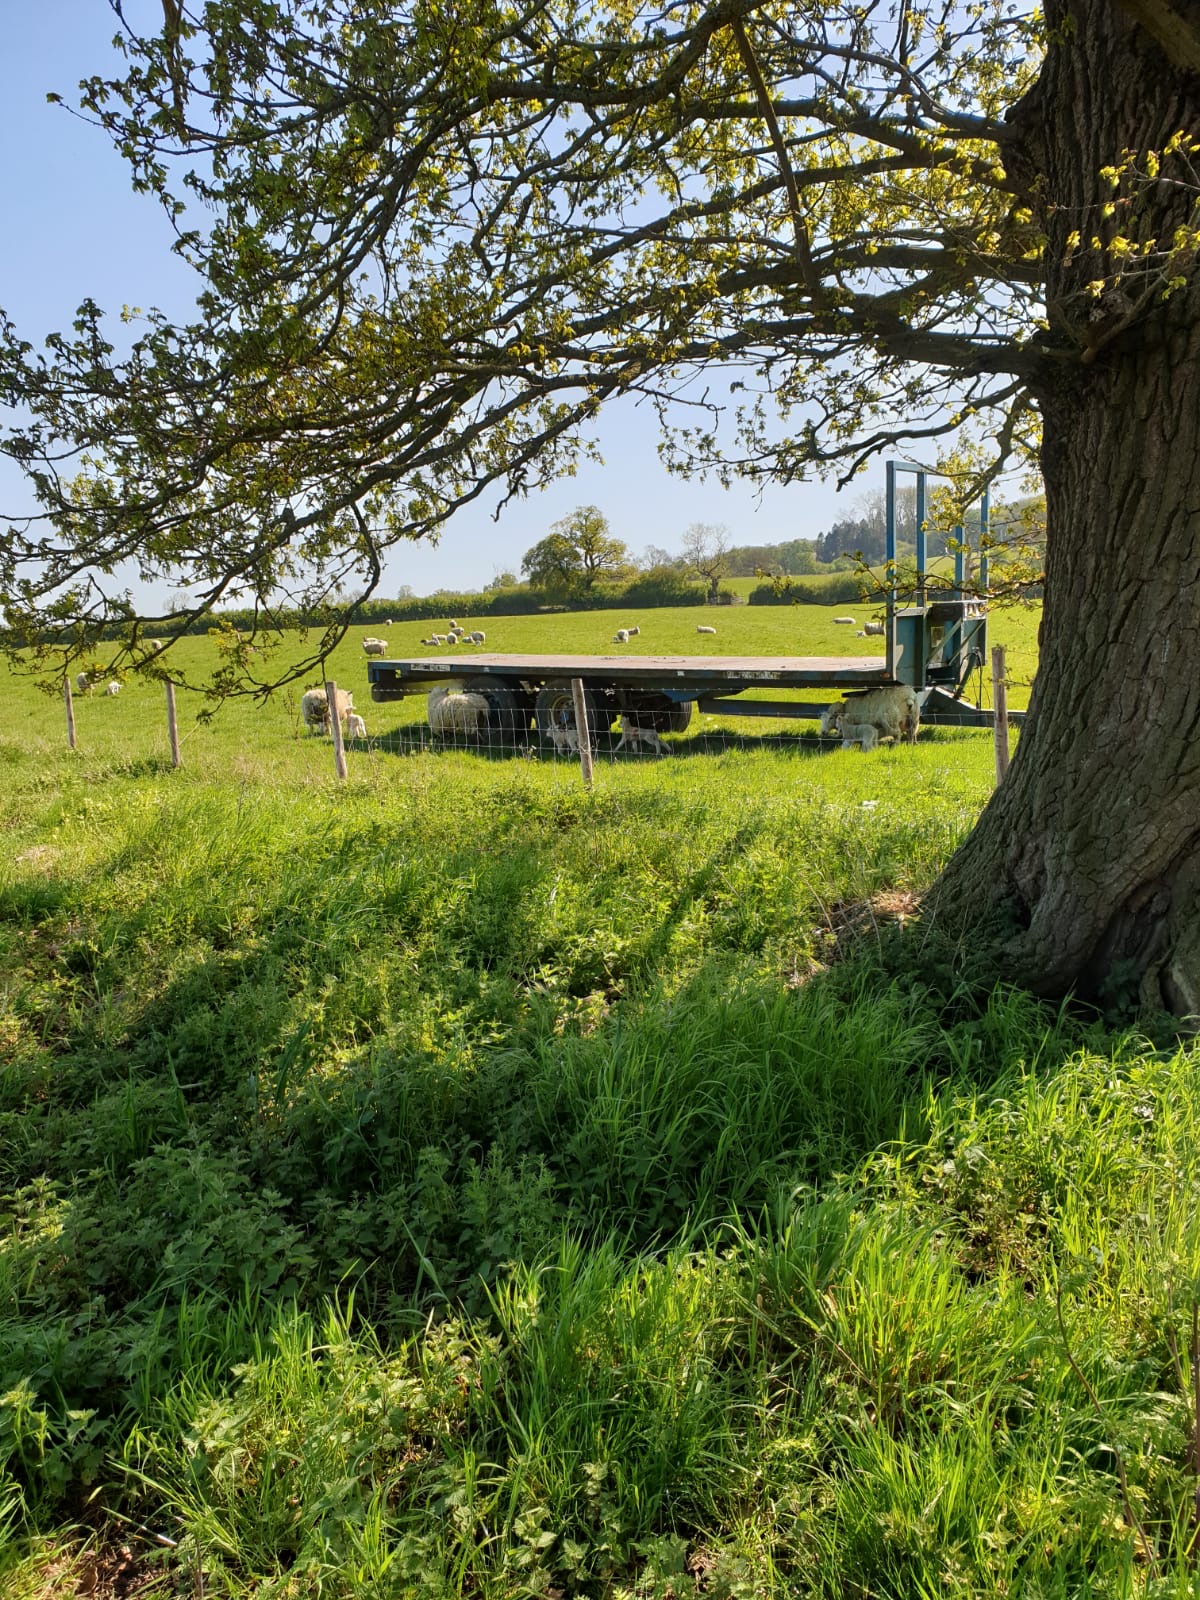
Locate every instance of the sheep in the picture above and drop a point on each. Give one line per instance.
(632, 734)
(621, 636)
(633, 632)
(437, 638)
(354, 727)
(455, 710)
(894, 712)
(865, 734)
(874, 629)
(83, 683)
(389, 623)
(112, 688)
(452, 625)
(701, 628)
(375, 647)
(564, 737)
(478, 637)
(844, 622)
(314, 708)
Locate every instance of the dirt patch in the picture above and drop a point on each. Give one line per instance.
(852, 920)
(108, 1573)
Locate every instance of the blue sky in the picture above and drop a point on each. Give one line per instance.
(73, 228)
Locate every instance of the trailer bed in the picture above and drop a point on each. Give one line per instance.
(784, 672)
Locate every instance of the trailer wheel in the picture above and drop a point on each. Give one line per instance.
(663, 715)
(509, 714)
(555, 708)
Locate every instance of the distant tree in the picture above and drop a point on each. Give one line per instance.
(577, 552)
(500, 580)
(655, 556)
(705, 551)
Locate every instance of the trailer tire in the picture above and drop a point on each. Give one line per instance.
(663, 715)
(508, 717)
(555, 705)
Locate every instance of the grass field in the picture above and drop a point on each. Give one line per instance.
(452, 1182)
(134, 724)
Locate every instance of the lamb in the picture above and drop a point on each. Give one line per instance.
(83, 683)
(354, 727)
(314, 708)
(865, 734)
(375, 647)
(437, 638)
(112, 688)
(893, 711)
(564, 737)
(455, 710)
(845, 622)
(621, 636)
(874, 629)
(632, 734)
(633, 632)
(477, 637)
(701, 628)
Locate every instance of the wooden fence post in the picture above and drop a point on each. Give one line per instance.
(583, 731)
(70, 705)
(335, 723)
(1000, 708)
(172, 725)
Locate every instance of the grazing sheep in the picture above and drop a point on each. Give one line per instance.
(874, 629)
(354, 727)
(112, 688)
(621, 636)
(375, 647)
(632, 734)
(83, 683)
(633, 632)
(478, 637)
(454, 710)
(701, 628)
(452, 625)
(894, 712)
(389, 623)
(845, 622)
(314, 708)
(437, 638)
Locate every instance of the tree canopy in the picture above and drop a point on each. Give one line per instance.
(434, 240)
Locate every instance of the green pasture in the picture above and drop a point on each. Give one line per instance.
(451, 1182)
(132, 725)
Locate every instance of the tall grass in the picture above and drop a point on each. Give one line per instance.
(452, 1182)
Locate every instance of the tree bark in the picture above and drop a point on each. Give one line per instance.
(1091, 848)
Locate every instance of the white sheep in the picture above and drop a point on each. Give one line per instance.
(632, 734)
(633, 632)
(314, 708)
(701, 628)
(621, 636)
(478, 637)
(564, 737)
(437, 638)
(354, 727)
(375, 647)
(893, 711)
(875, 629)
(112, 688)
(452, 625)
(389, 623)
(83, 683)
(865, 734)
(845, 622)
(455, 710)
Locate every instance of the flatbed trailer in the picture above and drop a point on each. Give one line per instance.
(932, 647)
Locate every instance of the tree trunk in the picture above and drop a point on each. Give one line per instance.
(1092, 844)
